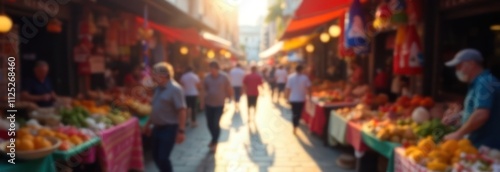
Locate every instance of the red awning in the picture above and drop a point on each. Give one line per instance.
(313, 13)
(188, 36)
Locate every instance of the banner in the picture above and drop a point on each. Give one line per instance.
(408, 57)
(355, 31)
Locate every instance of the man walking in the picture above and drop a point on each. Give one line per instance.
(217, 88)
(191, 84)
(237, 74)
(168, 116)
(297, 90)
(251, 84)
(280, 77)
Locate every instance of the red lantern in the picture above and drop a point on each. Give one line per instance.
(54, 26)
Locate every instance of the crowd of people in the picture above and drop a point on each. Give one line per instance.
(175, 103)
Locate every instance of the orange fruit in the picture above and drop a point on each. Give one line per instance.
(62, 136)
(46, 132)
(65, 145)
(75, 140)
(24, 145)
(27, 137)
(23, 132)
(41, 142)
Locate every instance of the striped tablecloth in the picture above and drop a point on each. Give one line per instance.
(404, 164)
(122, 147)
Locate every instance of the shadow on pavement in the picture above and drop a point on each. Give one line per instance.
(257, 151)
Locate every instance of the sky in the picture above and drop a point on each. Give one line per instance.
(250, 11)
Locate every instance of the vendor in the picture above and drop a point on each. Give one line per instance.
(38, 89)
(134, 78)
(481, 115)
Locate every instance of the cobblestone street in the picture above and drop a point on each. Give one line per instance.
(264, 144)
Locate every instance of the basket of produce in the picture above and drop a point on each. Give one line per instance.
(31, 146)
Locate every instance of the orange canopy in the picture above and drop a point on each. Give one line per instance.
(313, 13)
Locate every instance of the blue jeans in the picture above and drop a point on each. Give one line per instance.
(213, 119)
(163, 142)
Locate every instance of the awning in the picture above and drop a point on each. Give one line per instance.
(188, 36)
(312, 14)
(297, 42)
(272, 50)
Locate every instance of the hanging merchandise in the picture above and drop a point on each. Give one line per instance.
(399, 15)
(408, 57)
(382, 16)
(414, 10)
(342, 50)
(355, 33)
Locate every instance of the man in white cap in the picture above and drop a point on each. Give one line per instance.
(481, 117)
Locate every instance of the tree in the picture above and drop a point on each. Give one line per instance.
(275, 14)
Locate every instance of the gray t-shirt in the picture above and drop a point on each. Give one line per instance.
(167, 101)
(216, 89)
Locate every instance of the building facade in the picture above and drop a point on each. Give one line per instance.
(250, 40)
(220, 15)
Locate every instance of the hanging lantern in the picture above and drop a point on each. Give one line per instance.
(334, 31)
(5, 23)
(227, 54)
(382, 16)
(184, 50)
(310, 48)
(210, 54)
(324, 37)
(54, 26)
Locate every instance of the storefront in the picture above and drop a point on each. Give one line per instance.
(41, 31)
(458, 25)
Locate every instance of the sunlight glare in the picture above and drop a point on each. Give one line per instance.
(251, 10)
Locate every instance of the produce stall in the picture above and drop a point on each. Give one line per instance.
(91, 130)
(316, 110)
(405, 123)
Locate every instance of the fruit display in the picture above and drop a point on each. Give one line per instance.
(29, 139)
(141, 109)
(71, 136)
(344, 112)
(91, 107)
(433, 128)
(329, 96)
(75, 116)
(486, 160)
(397, 132)
(439, 157)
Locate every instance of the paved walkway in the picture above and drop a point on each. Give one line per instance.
(264, 144)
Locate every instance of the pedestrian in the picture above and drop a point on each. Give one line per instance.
(168, 116)
(297, 91)
(272, 81)
(251, 84)
(237, 74)
(480, 118)
(191, 84)
(217, 88)
(281, 76)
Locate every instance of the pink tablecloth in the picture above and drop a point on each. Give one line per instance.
(353, 136)
(122, 147)
(403, 164)
(318, 120)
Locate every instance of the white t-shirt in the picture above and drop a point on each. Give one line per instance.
(237, 74)
(189, 81)
(298, 85)
(280, 76)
